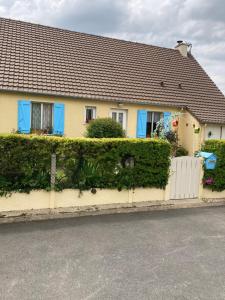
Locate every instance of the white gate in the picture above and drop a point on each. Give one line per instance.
(185, 177)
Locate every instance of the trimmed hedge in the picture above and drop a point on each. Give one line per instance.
(25, 163)
(82, 163)
(104, 128)
(217, 176)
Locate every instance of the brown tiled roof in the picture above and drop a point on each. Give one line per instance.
(46, 60)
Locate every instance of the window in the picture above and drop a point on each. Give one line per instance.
(152, 119)
(90, 113)
(214, 132)
(120, 116)
(41, 117)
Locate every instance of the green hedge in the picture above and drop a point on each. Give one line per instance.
(104, 128)
(82, 163)
(218, 175)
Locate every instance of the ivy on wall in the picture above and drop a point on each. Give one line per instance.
(82, 163)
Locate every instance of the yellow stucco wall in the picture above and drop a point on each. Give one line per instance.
(208, 194)
(74, 112)
(187, 137)
(38, 200)
(74, 116)
(71, 198)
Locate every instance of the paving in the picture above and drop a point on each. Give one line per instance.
(174, 254)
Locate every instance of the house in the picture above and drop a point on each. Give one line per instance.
(56, 81)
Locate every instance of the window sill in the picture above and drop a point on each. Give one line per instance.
(45, 134)
(86, 123)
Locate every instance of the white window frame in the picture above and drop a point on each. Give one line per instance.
(42, 103)
(117, 111)
(94, 113)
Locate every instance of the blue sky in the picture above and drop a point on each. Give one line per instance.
(157, 22)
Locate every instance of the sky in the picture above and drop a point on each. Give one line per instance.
(156, 22)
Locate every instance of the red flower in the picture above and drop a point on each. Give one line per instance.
(209, 181)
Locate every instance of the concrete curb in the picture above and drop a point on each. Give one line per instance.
(51, 214)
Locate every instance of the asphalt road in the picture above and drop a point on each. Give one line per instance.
(176, 254)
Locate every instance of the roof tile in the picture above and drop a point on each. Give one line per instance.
(41, 59)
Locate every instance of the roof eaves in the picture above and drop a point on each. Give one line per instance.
(204, 121)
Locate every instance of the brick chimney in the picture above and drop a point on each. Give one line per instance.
(183, 47)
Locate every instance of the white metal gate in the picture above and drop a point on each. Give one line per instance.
(185, 177)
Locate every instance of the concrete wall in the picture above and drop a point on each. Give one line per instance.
(210, 195)
(72, 198)
(187, 137)
(38, 200)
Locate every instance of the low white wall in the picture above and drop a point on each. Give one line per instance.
(38, 200)
(148, 194)
(75, 199)
(21, 201)
(208, 194)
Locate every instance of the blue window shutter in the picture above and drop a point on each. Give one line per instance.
(141, 123)
(24, 116)
(167, 120)
(58, 127)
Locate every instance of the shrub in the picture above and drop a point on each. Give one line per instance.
(82, 163)
(104, 128)
(217, 176)
(181, 151)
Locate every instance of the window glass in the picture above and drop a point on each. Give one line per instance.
(36, 116)
(152, 119)
(120, 116)
(41, 116)
(149, 124)
(114, 116)
(90, 114)
(120, 119)
(149, 117)
(156, 117)
(47, 117)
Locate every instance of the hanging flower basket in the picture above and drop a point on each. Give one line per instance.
(197, 130)
(175, 123)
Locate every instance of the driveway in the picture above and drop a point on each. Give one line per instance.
(176, 254)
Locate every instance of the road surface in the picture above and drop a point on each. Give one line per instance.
(176, 254)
